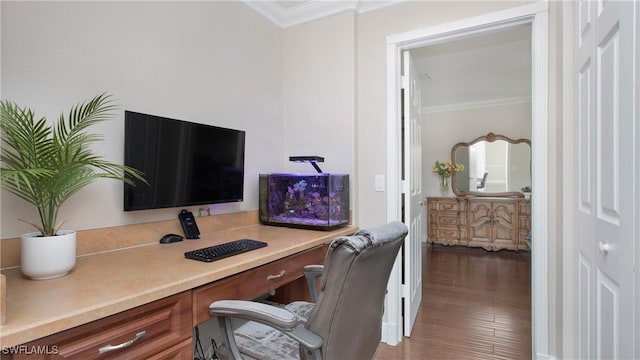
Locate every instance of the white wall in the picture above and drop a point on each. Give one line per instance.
(218, 63)
(442, 130)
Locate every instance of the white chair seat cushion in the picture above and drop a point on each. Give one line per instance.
(260, 341)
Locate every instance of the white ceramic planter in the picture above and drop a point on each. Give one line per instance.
(48, 257)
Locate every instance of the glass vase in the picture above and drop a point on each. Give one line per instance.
(444, 184)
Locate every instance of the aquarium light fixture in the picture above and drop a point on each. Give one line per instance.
(310, 159)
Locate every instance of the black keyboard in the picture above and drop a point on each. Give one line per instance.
(222, 251)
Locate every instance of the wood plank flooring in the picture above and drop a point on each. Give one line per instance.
(476, 304)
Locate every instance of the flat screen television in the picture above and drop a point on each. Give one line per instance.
(185, 163)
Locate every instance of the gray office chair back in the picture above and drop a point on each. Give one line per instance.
(346, 319)
(348, 312)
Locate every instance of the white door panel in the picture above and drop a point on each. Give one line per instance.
(412, 176)
(584, 307)
(606, 182)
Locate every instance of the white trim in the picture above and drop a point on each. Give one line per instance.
(636, 110)
(312, 9)
(367, 5)
(569, 179)
(476, 104)
(268, 9)
(536, 14)
(540, 197)
(478, 24)
(393, 333)
(546, 357)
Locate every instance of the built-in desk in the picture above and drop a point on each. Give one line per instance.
(119, 292)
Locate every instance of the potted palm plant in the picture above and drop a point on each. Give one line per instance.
(45, 164)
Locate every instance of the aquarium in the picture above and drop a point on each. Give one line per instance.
(310, 201)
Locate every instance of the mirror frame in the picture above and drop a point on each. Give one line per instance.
(490, 137)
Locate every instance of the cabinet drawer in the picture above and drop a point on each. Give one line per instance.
(181, 351)
(144, 331)
(252, 283)
(448, 234)
(448, 220)
(524, 208)
(448, 206)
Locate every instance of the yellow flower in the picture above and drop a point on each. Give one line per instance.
(447, 168)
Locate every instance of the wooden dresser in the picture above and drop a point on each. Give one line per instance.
(489, 223)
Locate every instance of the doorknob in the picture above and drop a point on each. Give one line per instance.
(421, 203)
(604, 248)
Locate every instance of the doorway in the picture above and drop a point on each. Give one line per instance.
(536, 15)
(471, 87)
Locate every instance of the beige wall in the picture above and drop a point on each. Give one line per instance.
(295, 91)
(442, 130)
(319, 96)
(373, 29)
(318, 87)
(218, 63)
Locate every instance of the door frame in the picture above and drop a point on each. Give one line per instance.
(535, 14)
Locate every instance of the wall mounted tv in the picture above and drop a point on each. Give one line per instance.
(185, 163)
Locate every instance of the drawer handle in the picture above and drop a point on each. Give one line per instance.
(276, 276)
(107, 348)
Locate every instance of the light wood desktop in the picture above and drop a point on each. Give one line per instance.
(152, 293)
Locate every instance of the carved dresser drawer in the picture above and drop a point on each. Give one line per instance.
(446, 226)
(490, 223)
(524, 223)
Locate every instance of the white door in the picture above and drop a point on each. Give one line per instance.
(605, 175)
(412, 193)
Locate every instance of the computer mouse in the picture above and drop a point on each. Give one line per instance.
(170, 238)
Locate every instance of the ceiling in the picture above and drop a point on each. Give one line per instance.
(485, 70)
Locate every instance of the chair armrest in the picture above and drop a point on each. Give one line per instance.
(312, 273)
(275, 317)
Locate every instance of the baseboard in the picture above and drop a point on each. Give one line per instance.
(383, 333)
(545, 357)
(389, 334)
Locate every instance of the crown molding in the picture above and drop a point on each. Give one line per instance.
(476, 104)
(313, 9)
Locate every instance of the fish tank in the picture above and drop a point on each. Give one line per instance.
(309, 201)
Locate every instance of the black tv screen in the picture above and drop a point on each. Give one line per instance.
(185, 163)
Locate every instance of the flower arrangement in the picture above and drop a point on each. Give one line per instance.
(447, 168)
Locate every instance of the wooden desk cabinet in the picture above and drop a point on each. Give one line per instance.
(163, 329)
(489, 223)
(252, 283)
(158, 330)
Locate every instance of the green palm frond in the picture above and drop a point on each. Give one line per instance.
(46, 164)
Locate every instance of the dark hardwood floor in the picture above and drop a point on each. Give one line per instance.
(476, 304)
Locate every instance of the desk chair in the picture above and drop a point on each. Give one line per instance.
(345, 320)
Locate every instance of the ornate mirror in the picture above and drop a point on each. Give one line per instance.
(494, 165)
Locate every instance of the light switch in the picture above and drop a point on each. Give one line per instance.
(379, 183)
